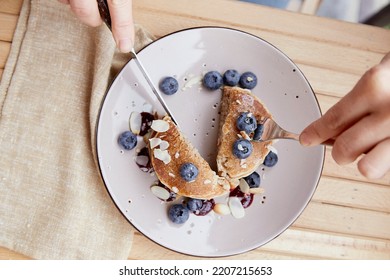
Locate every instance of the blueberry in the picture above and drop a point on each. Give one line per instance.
(271, 159)
(248, 80)
(258, 132)
(169, 85)
(194, 204)
(242, 148)
(253, 180)
(127, 140)
(246, 122)
(188, 172)
(231, 77)
(212, 80)
(178, 214)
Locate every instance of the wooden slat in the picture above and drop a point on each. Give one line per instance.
(345, 220)
(145, 249)
(353, 194)
(349, 171)
(321, 29)
(318, 245)
(302, 50)
(11, 6)
(7, 26)
(5, 48)
(310, 6)
(6, 254)
(329, 82)
(294, 243)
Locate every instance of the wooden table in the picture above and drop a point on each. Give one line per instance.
(349, 216)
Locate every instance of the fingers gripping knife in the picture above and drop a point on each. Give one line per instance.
(105, 14)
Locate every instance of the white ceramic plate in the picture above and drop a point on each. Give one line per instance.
(187, 55)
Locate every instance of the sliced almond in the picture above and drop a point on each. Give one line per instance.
(162, 155)
(135, 122)
(146, 107)
(272, 149)
(244, 135)
(160, 125)
(256, 190)
(154, 142)
(164, 145)
(221, 209)
(244, 187)
(236, 207)
(142, 160)
(160, 192)
(175, 190)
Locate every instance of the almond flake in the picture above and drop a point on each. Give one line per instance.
(167, 159)
(177, 155)
(160, 125)
(256, 190)
(154, 142)
(244, 135)
(162, 155)
(171, 174)
(146, 107)
(206, 182)
(238, 101)
(221, 209)
(135, 122)
(272, 149)
(244, 187)
(164, 145)
(142, 160)
(160, 192)
(175, 190)
(236, 207)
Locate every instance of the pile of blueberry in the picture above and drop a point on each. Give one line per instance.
(180, 213)
(214, 80)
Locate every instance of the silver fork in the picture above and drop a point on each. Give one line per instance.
(273, 131)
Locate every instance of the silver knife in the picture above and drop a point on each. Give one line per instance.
(105, 14)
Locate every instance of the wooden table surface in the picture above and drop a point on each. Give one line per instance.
(349, 216)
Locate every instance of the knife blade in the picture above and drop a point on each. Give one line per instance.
(106, 17)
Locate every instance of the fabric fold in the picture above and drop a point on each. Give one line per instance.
(53, 203)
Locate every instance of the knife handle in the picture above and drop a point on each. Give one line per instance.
(104, 12)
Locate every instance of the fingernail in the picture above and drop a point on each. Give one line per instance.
(304, 139)
(125, 45)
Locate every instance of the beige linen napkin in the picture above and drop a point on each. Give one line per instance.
(53, 204)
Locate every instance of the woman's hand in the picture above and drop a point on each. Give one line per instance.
(121, 18)
(359, 123)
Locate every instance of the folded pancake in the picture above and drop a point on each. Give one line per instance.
(235, 101)
(169, 151)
